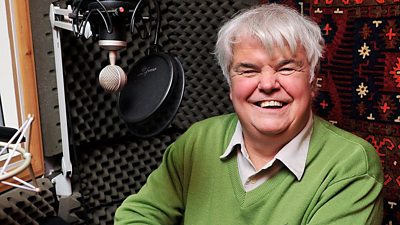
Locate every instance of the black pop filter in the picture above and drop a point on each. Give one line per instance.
(149, 83)
(150, 100)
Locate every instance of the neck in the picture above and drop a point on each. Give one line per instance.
(262, 148)
(261, 153)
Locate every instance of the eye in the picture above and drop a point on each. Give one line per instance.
(247, 73)
(286, 70)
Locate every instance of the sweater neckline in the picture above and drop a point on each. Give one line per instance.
(246, 199)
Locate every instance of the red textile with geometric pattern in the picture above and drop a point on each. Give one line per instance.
(359, 79)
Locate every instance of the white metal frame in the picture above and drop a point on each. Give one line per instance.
(9, 169)
(62, 181)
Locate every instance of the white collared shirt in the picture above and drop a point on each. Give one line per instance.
(293, 155)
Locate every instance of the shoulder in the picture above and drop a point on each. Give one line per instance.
(204, 140)
(337, 134)
(347, 152)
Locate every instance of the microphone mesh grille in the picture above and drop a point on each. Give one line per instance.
(112, 78)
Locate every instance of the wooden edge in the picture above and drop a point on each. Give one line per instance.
(26, 66)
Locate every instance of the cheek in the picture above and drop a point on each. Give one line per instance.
(297, 87)
(241, 89)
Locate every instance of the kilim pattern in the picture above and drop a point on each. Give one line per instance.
(359, 79)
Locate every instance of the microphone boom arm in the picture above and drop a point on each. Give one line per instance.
(62, 181)
(63, 21)
(71, 20)
(68, 19)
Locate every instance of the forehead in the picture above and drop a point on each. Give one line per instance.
(248, 47)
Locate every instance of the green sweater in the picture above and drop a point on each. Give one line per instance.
(341, 184)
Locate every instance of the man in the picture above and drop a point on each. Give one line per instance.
(272, 162)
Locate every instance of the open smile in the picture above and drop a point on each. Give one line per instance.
(271, 104)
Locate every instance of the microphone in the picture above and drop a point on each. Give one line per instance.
(108, 20)
(112, 78)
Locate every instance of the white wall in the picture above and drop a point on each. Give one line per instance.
(8, 77)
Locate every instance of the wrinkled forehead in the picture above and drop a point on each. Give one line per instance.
(273, 48)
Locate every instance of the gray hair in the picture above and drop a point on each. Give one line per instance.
(275, 26)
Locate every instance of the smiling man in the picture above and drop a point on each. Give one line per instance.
(272, 161)
(271, 94)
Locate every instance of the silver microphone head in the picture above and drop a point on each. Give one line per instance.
(112, 78)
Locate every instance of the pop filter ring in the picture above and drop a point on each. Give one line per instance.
(149, 82)
(164, 109)
(166, 112)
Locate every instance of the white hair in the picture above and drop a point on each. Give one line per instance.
(275, 26)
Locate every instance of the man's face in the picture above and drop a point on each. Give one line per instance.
(271, 93)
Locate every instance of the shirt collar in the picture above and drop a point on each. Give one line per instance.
(293, 155)
(237, 139)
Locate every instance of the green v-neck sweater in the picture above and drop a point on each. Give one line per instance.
(341, 184)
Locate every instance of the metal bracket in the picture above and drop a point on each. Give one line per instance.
(62, 181)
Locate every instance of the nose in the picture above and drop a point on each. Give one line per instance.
(268, 82)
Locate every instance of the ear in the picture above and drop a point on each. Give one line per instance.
(314, 87)
(230, 88)
(314, 82)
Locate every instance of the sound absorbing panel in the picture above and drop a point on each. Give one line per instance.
(26, 207)
(45, 75)
(110, 162)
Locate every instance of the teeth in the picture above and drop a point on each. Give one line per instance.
(271, 104)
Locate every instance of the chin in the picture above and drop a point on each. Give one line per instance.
(270, 130)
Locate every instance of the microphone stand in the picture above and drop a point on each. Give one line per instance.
(61, 19)
(62, 181)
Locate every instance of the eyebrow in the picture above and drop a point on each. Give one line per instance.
(289, 61)
(279, 64)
